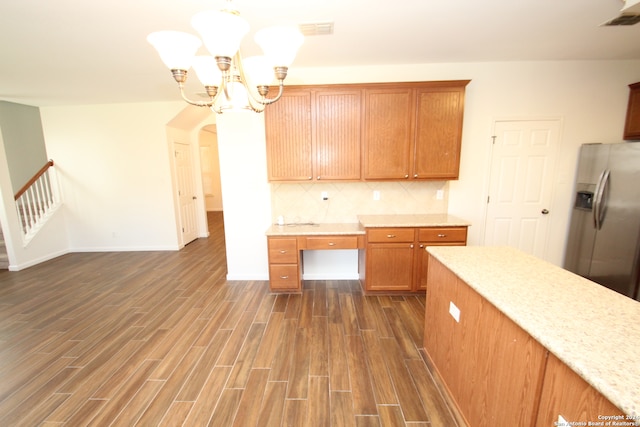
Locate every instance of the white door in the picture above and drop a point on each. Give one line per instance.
(186, 192)
(521, 184)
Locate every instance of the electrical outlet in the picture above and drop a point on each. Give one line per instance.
(324, 195)
(454, 311)
(376, 195)
(440, 194)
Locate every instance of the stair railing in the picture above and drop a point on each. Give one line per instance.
(37, 200)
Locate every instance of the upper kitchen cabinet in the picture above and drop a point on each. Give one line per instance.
(338, 134)
(314, 133)
(355, 132)
(288, 132)
(632, 124)
(389, 124)
(413, 130)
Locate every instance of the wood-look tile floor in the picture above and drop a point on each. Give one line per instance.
(161, 338)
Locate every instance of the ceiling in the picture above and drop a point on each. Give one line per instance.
(87, 52)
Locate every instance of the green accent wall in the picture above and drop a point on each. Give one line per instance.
(24, 146)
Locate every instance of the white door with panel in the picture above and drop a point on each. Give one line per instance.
(521, 184)
(186, 191)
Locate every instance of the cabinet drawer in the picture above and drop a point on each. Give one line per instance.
(442, 234)
(283, 251)
(332, 242)
(383, 235)
(284, 276)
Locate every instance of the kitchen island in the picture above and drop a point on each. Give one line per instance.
(501, 321)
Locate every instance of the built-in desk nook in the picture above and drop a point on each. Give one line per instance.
(286, 242)
(391, 256)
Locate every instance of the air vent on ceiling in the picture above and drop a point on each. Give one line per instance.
(629, 15)
(316, 28)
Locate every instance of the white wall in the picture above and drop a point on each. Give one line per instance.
(245, 193)
(114, 168)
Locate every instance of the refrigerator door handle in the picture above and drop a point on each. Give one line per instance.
(598, 209)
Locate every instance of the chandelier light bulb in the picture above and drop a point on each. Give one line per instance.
(176, 49)
(207, 70)
(221, 31)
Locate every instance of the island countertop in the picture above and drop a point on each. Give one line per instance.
(593, 330)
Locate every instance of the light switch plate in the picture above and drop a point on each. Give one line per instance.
(376, 195)
(454, 311)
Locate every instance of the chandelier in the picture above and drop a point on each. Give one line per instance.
(230, 82)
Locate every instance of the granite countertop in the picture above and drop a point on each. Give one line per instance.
(594, 330)
(315, 229)
(310, 229)
(423, 220)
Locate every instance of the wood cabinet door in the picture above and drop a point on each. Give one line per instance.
(388, 133)
(338, 134)
(389, 267)
(422, 262)
(632, 123)
(438, 133)
(289, 137)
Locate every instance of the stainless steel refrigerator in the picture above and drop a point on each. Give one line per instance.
(604, 235)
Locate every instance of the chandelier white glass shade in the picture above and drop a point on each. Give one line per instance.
(229, 80)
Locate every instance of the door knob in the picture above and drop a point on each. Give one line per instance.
(544, 211)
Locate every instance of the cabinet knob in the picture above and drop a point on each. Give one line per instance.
(421, 246)
(284, 277)
(283, 252)
(391, 236)
(415, 175)
(442, 235)
(318, 178)
(310, 178)
(411, 246)
(331, 244)
(406, 176)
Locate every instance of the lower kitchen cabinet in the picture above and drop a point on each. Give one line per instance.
(396, 258)
(390, 266)
(284, 264)
(491, 367)
(565, 394)
(493, 371)
(435, 236)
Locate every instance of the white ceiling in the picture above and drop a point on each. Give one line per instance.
(85, 52)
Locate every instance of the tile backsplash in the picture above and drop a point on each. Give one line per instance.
(300, 203)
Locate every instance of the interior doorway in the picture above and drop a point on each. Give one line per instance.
(212, 183)
(210, 168)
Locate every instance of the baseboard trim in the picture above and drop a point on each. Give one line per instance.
(31, 263)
